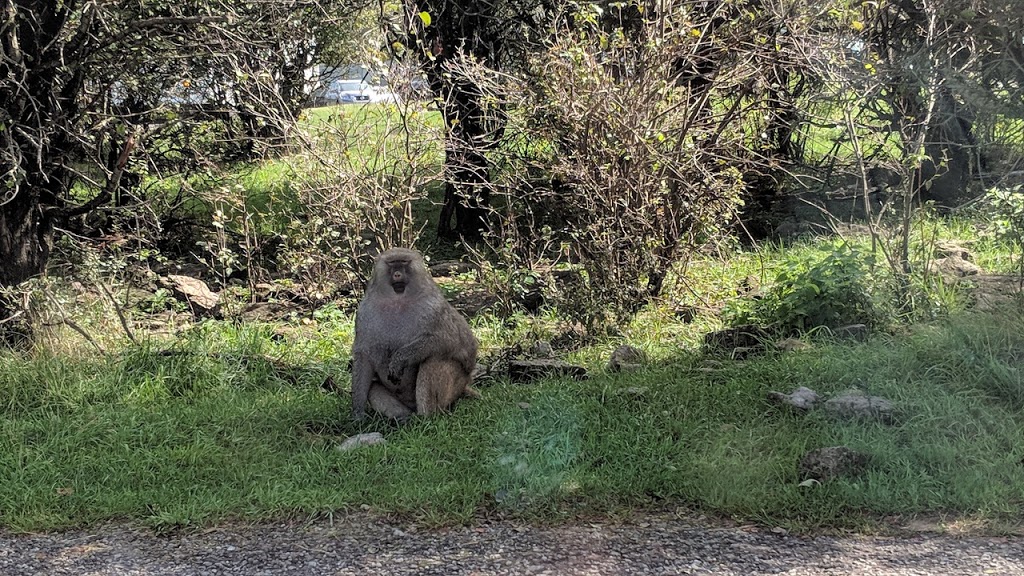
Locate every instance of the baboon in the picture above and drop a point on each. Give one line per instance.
(413, 352)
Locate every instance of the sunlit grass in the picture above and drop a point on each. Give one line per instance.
(221, 420)
(230, 422)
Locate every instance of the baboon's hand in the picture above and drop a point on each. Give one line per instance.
(396, 367)
(358, 415)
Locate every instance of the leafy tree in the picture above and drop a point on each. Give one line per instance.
(448, 38)
(954, 63)
(87, 88)
(631, 146)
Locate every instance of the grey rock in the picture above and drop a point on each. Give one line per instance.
(541, 349)
(949, 249)
(802, 398)
(193, 289)
(856, 405)
(824, 464)
(625, 358)
(953, 268)
(368, 439)
(480, 373)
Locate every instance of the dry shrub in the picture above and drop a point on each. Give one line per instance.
(318, 216)
(626, 153)
(356, 192)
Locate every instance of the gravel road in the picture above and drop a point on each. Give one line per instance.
(653, 545)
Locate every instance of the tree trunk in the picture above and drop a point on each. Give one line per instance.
(763, 189)
(471, 132)
(24, 240)
(466, 194)
(25, 236)
(946, 174)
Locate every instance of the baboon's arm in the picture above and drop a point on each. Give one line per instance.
(425, 346)
(362, 378)
(449, 337)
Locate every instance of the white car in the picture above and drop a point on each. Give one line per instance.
(349, 92)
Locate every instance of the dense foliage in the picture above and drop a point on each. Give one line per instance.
(599, 142)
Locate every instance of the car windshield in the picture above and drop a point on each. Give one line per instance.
(353, 86)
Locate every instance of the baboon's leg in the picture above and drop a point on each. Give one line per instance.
(438, 385)
(404, 390)
(387, 404)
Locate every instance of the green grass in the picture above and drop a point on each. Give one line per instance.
(232, 424)
(378, 141)
(225, 421)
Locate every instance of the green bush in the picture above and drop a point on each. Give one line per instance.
(832, 290)
(1006, 207)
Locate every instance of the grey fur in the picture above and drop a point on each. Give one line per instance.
(413, 352)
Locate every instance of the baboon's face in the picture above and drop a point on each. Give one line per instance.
(402, 271)
(399, 274)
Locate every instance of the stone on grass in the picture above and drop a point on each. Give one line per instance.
(953, 268)
(625, 358)
(480, 373)
(541, 349)
(368, 439)
(856, 405)
(824, 464)
(194, 290)
(949, 249)
(802, 398)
